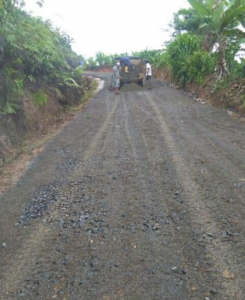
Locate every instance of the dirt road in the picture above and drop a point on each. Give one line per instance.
(141, 197)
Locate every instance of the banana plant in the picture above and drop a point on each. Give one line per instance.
(222, 17)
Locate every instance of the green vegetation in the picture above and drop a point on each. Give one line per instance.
(205, 41)
(221, 18)
(186, 61)
(33, 53)
(102, 60)
(179, 53)
(40, 99)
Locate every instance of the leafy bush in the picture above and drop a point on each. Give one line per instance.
(179, 51)
(31, 50)
(146, 54)
(238, 69)
(161, 60)
(200, 64)
(103, 60)
(91, 63)
(186, 61)
(41, 52)
(12, 90)
(235, 68)
(40, 99)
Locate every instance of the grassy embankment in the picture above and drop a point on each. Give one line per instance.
(40, 82)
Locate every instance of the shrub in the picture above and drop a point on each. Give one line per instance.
(40, 99)
(179, 51)
(91, 63)
(31, 50)
(104, 60)
(12, 91)
(200, 64)
(150, 55)
(161, 60)
(238, 69)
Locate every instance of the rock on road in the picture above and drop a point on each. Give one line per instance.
(140, 197)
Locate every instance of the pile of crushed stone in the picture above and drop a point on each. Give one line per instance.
(129, 87)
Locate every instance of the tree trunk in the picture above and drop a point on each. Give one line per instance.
(221, 67)
(208, 41)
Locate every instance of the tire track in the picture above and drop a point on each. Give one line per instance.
(199, 213)
(32, 248)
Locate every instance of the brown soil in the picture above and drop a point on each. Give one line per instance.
(231, 97)
(19, 147)
(32, 122)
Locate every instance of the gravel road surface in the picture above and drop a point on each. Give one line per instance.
(140, 197)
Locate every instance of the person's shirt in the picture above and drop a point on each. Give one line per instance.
(115, 71)
(125, 60)
(148, 69)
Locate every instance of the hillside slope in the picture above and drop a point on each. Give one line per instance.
(39, 75)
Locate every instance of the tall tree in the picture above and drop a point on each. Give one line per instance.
(222, 18)
(189, 20)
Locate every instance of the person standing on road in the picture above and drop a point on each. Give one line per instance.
(116, 77)
(148, 74)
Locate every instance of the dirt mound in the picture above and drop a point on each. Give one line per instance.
(130, 87)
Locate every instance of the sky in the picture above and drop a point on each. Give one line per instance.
(110, 26)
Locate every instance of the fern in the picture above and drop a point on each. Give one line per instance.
(40, 99)
(59, 94)
(35, 52)
(9, 108)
